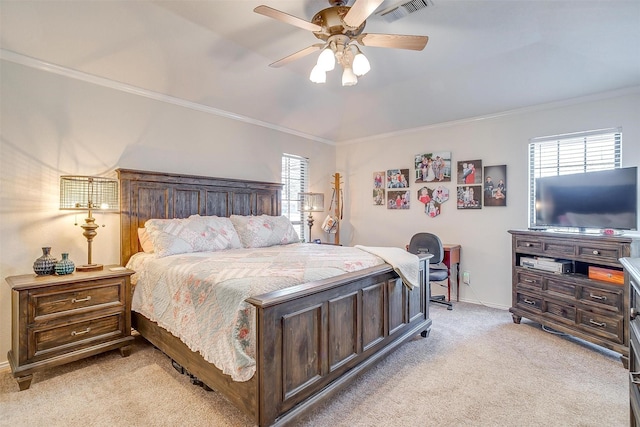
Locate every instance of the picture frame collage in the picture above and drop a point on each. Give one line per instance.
(475, 186)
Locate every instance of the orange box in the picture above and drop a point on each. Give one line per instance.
(606, 275)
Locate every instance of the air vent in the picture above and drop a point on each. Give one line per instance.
(403, 9)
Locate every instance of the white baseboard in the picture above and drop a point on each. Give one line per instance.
(4, 367)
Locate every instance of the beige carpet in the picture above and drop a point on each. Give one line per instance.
(476, 368)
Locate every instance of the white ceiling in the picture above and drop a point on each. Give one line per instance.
(483, 57)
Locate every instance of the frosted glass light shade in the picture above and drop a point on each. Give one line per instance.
(327, 60)
(318, 75)
(348, 77)
(361, 64)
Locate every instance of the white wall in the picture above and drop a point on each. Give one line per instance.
(53, 125)
(503, 140)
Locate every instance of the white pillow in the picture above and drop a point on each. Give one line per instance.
(264, 230)
(145, 240)
(194, 234)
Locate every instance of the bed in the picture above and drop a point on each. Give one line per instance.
(311, 339)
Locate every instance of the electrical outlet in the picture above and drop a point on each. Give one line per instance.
(466, 278)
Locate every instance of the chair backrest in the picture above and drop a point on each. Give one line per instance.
(427, 243)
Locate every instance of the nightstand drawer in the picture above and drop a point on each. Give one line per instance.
(72, 336)
(54, 300)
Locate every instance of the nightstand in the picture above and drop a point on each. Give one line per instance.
(61, 319)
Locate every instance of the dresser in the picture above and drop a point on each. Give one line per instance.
(60, 319)
(632, 276)
(588, 298)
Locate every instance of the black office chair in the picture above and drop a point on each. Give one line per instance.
(428, 243)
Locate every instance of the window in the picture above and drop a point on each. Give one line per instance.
(295, 180)
(572, 153)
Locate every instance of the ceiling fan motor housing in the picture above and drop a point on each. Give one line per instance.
(332, 23)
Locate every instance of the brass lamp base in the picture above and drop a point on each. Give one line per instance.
(89, 267)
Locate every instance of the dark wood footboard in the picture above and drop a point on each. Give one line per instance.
(313, 341)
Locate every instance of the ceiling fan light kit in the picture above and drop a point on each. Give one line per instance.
(340, 27)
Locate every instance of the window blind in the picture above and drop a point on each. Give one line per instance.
(296, 180)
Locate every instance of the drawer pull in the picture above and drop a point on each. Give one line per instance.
(529, 281)
(598, 297)
(75, 300)
(596, 252)
(634, 376)
(528, 245)
(600, 324)
(86, 331)
(528, 301)
(633, 312)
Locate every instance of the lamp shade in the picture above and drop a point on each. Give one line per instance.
(312, 202)
(348, 78)
(361, 64)
(88, 192)
(327, 59)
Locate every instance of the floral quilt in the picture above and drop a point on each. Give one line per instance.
(200, 297)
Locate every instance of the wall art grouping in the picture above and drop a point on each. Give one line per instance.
(476, 187)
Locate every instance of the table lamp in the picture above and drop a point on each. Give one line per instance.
(88, 193)
(311, 202)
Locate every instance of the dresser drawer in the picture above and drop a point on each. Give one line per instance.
(607, 327)
(602, 298)
(527, 279)
(600, 253)
(561, 288)
(46, 342)
(529, 302)
(560, 312)
(528, 244)
(59, 300)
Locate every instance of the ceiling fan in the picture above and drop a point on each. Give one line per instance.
(340, 27)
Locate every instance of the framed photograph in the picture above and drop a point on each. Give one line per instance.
(398, 199)
(398, 178)
(378, 196)
(470, 172)
(469, 197)
(378, 179)
(433, 167)
(495, 185)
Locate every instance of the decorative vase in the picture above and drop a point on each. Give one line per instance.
(46, 264)
(65, 265)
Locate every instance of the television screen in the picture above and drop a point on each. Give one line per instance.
(603, 199)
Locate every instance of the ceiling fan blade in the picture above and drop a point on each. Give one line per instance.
(286, 18)
(396, 41)
(304, 52)
(360, 11)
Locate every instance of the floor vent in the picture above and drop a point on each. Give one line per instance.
(403, 9)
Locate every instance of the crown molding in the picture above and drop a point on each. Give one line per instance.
(540, 107)
(41, 65)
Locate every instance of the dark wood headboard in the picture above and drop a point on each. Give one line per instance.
(145, 195)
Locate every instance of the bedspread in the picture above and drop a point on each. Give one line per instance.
(200, 297)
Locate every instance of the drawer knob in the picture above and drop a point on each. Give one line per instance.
(75, 300)
(528, 301)
(633, 312)
(599, 324)
(86, 331)
(598, 297)
(596, 252)
(528, 245)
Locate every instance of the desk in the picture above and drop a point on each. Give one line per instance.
(452, 256)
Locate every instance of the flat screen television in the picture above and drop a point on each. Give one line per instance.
(592, 200)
